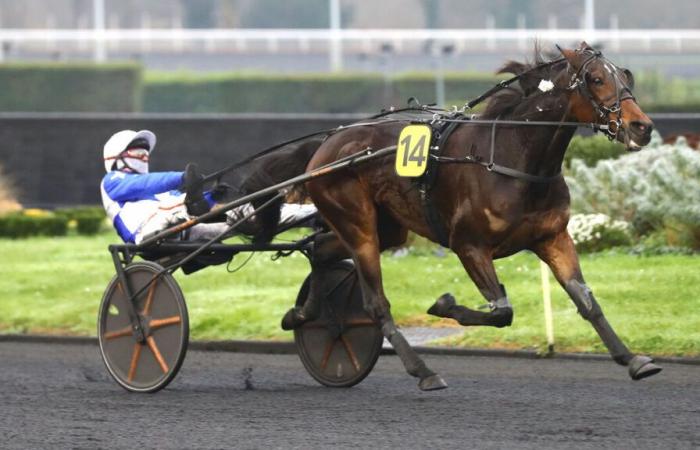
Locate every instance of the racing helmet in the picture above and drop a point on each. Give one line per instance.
(122, 141)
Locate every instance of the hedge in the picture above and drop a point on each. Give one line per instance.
(84, 87)
(592, 149)
(34, 222)
(351, 93)
(247, 92)
(20, 225)
(225, 93)
(88, 220)
(47, 87)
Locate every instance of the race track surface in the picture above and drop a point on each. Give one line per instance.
(60, 396)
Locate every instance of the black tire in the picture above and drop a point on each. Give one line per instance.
(149, 366)
(341, 347)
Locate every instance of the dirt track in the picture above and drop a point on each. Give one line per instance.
(60, 396)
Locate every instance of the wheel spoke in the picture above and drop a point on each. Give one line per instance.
(134, 361)
(156, 353)
(149, 299)
(327, 354)
(351, 352)
(119, 333)
(159, 323)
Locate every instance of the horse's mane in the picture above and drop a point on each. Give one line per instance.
(507, 99)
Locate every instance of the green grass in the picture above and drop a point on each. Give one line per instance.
(54, 285)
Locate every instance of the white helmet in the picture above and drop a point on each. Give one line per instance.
(120, 141)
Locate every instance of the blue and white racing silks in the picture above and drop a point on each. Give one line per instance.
(132, 200)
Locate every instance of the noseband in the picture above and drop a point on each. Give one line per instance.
(622, 92)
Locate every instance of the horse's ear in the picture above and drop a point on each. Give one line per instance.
(572, 57)
(584, 46)
(629, 78)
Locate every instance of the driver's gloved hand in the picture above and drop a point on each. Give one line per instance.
(193, 186)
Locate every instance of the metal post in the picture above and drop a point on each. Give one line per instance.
(440, 52)
(547, 297)
(522, 26)
(490, 26)
(145, 32)
(98, 9)
(336, 55)
(2, 43)
(589, 21)
(439, 80)
(615, 28)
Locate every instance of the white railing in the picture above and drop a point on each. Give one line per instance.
(336, 41)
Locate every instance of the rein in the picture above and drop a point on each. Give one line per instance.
(442, 115)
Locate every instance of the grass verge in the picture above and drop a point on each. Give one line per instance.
(54, 285)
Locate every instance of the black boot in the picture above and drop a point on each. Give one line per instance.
(193, 184)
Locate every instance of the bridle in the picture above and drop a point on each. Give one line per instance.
(604, 111)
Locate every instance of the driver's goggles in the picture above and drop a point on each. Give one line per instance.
(136, 153)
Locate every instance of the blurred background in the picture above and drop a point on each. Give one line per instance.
(269, 70)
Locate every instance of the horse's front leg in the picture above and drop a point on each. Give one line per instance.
(560, 254)
(479, 265)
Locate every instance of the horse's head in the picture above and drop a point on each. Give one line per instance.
(602, 93)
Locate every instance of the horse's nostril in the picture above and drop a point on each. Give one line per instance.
(643, 127)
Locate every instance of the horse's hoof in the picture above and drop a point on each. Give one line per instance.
(501, 317)
(292, 319)
(642, 367)
(442, 305)
(432, 383)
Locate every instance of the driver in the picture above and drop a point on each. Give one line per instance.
(141, 204)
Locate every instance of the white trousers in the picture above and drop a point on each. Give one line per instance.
(165, 218)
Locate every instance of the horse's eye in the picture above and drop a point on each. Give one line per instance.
(598, 81)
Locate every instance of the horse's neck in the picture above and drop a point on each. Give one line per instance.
(538, 150)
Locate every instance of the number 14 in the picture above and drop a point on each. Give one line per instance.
(416, 155)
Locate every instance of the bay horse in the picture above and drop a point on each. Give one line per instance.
(487, 215)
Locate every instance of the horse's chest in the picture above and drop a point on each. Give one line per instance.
(510, 221)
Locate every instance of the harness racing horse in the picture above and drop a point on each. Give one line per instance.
(486, 214)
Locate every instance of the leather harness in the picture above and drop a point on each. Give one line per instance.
(441, 132)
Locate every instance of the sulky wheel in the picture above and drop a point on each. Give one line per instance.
(341, 347)
(148, 366)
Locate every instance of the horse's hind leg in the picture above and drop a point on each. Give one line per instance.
(327, 250)
(560, 254)
(353, 217)
(479, 265)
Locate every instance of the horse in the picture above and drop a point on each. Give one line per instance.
(486, 214)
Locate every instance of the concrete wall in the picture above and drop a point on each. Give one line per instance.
(56, 159)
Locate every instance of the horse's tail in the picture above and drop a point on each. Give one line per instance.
(272, 169)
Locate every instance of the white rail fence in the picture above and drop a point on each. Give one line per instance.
(99, 42)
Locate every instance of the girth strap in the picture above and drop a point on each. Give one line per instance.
(426, 183)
